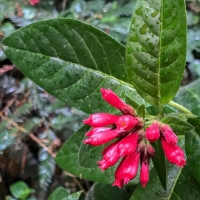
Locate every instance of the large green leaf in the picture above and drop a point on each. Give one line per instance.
(62, 194)
(189, 96)
(156, 49)
(72, 61)
(192, 148)
(178, 125)
(67, 159)
(104, 192)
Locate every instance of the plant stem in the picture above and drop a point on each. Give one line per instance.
(181, 108)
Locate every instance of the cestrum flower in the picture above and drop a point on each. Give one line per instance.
(33, 2)
(130, 141)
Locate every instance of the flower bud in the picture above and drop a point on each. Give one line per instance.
(152, 133)
(150, 151)
(169, 135)
(144, 173)
(128, 144)
(100, 138)
(126, 123)
(110, 156)
(112, 98)
(173, 153)
(101, 119)
(127, 169)
(97, 130)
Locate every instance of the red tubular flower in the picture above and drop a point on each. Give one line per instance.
(127, 169)
(144, 173)
(97, 130)
(173, 153)
(112, 98)
(33, 2)
(150, 151)
(100, 138)
(101, 119)
(128, 144)
(126, 123)
(169, 135)
(152, 133)
(110, 156)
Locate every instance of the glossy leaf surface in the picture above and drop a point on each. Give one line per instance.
(189, 96)
(192, 139)
(68, 159)
(156, 49)
(178, 125)
(62, 194)
(72, 61)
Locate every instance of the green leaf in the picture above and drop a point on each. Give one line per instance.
(63, 56)
(61, 194)
(67, 159)
(192, 148)
(189, 97)
(103, 191)
(156, 49)
(141, 111)
(159, 162)
(20, 190)
(178, 125)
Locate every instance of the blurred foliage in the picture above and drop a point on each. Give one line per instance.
(30, 117)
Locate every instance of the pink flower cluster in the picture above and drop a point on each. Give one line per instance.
(33, 2)
(130, 142)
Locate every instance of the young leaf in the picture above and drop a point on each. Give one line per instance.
(156, 49)
(189, 96)
(61, 194)
(72, 61)
(67, 159)
(20, 190)
(159, 163)
(178, 125)
(192, 147)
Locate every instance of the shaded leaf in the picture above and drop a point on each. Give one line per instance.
(63, 57)
(192, 148)
(61, 194)
(103, 191)
(20, 190)
(67, 159)
(159, 162)
(46, 168)
(178, 125)
(156, 49)
(189, 97)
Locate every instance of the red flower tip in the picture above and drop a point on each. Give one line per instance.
(118, 183)
(127, 169)
(33, 2)
(114, 100)
(128, 144)
(169, 135)
(173, 153)
(144, 174)
(97, 130)
(151, 151)
(100, 138)
(152, 133)
(101, 119)
(126, 123)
